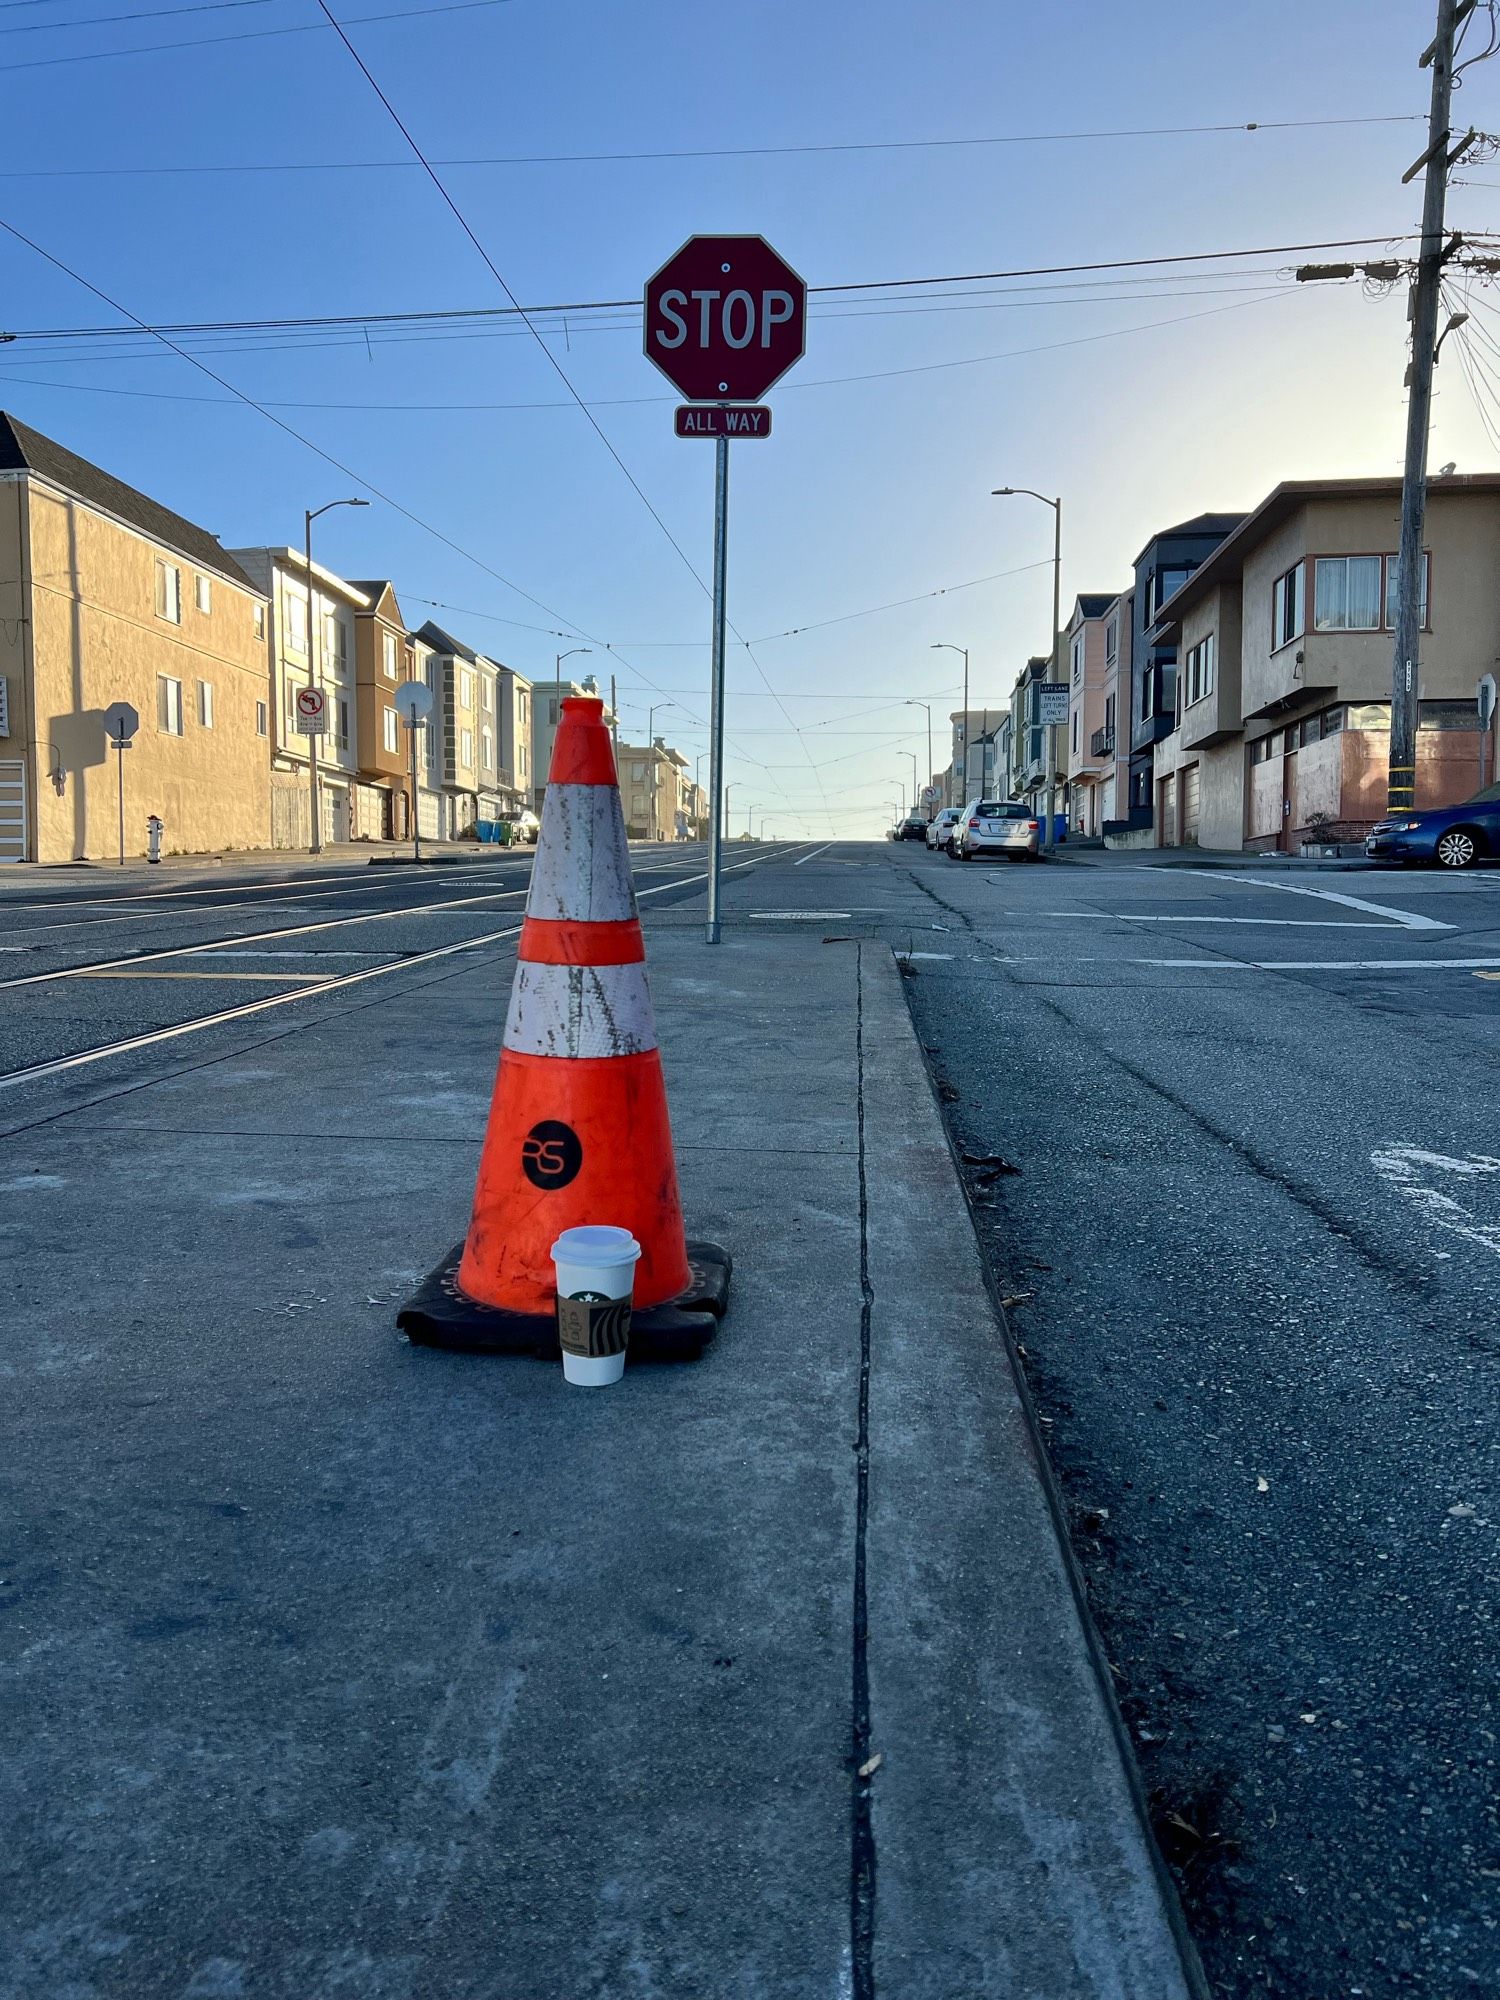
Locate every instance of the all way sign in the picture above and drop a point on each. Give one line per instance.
(726, 420)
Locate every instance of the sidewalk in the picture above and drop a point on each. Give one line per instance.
(347, 1667)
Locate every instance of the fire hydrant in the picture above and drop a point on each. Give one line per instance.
(154, 832)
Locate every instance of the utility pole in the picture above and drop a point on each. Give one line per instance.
(1401, 792)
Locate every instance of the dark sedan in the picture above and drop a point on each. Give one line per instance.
(1452, 836)
(913, 827)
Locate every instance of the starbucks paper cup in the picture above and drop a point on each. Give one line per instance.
(595, 1267)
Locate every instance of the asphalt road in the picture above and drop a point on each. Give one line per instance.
(1234, 1152)
(1231, 1146)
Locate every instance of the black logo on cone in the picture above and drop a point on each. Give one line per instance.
(551, 1154)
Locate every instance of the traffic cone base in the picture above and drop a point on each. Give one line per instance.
(578, 1127)
(585, 1122)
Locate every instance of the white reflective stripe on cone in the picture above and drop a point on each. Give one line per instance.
(580, 1010)
(581, 873)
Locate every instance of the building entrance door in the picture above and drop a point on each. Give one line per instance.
(12, 810)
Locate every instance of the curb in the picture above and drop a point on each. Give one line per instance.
(1182, 1937)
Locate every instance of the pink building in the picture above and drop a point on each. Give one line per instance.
(1088, 764)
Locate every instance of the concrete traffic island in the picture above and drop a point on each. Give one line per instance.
(340, 1665)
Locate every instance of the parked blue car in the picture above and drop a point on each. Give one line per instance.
(1452, 836)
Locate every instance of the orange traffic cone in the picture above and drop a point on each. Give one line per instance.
(578, 1128)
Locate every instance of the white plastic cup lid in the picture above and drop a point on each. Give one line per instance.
(596, 1243)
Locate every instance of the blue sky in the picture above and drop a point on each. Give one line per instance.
(871, 489)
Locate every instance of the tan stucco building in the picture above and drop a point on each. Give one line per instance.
(106, 596)
(1284, 653)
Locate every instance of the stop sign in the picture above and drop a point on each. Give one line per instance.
(725, 318)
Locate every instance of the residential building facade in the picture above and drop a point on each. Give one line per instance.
(383, 805)
(105, 597)
(311, 643)
(1083, 651)
(1110, 743)
(1163, 565)
(1282, 729)
(657, 792)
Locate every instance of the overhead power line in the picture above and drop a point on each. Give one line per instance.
(577, 306)
(247, 35)
(703, 152)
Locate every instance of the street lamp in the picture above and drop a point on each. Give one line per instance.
(914, 789)
(1009, 492)
(927, 711)
(560, 657)
(314, 673)
(944, 646)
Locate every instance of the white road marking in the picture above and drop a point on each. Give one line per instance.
(220, 951)
(814, 855)
(1408, 919)
(1319, 964)
(1409, 1169)
(796, 916)
(1275, 923)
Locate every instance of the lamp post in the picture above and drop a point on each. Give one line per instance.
(314, 678)
(727, 790)
(926, 709)
(944, 646)
(1008, 492)
(558, 658)
(915, 787)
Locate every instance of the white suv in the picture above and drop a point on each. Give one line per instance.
(940, 832)
(997, 827)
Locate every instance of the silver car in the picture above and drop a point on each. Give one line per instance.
(997, 827)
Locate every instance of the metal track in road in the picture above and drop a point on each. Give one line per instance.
(246, 898)
(37, 1072)
(242, 938)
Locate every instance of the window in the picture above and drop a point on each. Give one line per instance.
(258, 614)
(466, 689)
(262, 719)
(205, 595)
(335, 643)
(388, 654)
(389, 729)
(1166, 583)
(1346, 594)
(487, 747)
(1288, 614)
(1109, 713)
(486, 693)
(168, 705)
(296, 623)
(343, 725)
(552, 714)
(1075, 732)
(1392, 574)
(1112, 641)
(1199, 671)
(466, 746)
(1078, 659)
(205, 704)
(1368, 715)
(1448, 715)
(168, 592)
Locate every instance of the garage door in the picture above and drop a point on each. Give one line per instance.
(1190, 806)
(12, 810)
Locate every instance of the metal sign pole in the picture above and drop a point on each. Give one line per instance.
(416, 819)
(716, 696)
(120, 763)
